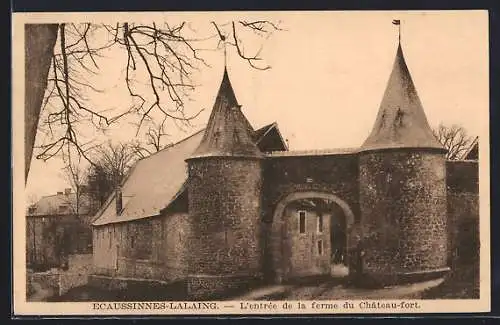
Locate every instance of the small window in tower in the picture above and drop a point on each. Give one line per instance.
(320, 223)
(320, 247)
(236, 136)
(302, 222)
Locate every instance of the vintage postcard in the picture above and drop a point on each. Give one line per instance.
(322, 162)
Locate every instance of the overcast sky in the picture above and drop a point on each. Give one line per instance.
(329, 71)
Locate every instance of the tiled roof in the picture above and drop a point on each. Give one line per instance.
(59, 204)
(154, 182)
(401, 120)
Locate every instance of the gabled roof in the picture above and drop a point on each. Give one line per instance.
(401, 121)
(228, 132)
(154, 183)
(258, 134)
(272, 134)
(59, 204)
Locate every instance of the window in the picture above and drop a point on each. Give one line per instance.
(320, 247)
(320, 223)
(302, 222)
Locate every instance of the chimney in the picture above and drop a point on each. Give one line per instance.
(118, 200)
(60, 193)
(67, 191)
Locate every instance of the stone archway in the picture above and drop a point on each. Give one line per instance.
(277, 235)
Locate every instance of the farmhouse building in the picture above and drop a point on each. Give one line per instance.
(55, 228)
(231, 204)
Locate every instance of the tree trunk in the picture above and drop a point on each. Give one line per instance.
(40, 40)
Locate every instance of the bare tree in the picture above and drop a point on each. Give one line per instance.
(109, 169)
(116, 160)
(154, 140)
(454, 138)
(165, 56)
(76, 174)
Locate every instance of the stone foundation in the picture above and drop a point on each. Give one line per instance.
(387, 279)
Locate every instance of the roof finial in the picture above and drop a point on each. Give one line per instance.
(223, 39)
(397, 22)
(225, 55)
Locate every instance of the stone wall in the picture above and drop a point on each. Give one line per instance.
(53, 283)
(80, 263)
(324, 175)
(149, 248)
(224, 205)
(463, 211)
(48, 281)
(104, 252)
(302, 248)
(175, 251)
(403, 205)
(68, 281)
(335, 174)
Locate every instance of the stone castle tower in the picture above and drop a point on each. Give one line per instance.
(225, 199)
(247, 210)
(402, 182)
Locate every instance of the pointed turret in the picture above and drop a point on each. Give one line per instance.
(401, 121)
(228, 132)
(224, 200)
(402, 192)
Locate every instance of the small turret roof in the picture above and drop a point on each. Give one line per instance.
(228, 131)
(401, 120)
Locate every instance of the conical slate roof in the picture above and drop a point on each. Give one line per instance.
(401, 121)
(228, 132)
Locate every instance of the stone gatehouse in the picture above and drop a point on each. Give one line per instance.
(231, 205)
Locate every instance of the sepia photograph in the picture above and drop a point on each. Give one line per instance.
(251, 162)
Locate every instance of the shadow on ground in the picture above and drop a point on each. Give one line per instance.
(461, 283)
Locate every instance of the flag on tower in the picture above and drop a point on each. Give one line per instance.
(396, 21)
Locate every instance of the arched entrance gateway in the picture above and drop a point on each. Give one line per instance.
(308, 235)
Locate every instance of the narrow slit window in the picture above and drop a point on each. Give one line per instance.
(320, 247)
(302, 222)
(320, 223)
